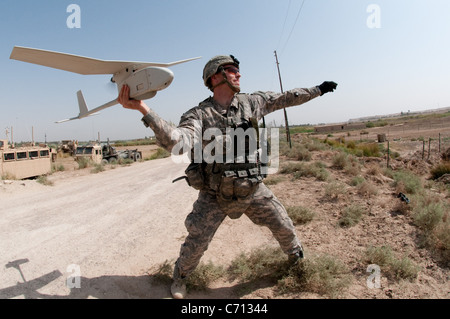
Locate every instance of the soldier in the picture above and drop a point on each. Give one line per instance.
(225, 188)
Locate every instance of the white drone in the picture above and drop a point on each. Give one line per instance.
(145, 79)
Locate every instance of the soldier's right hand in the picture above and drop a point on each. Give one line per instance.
(124, 99)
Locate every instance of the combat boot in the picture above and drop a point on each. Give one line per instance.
(294, 259)
(178, 288)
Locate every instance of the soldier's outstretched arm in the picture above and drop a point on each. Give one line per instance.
(272, 101)
(167, 135)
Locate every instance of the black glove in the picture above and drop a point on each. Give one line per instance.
(327, 86)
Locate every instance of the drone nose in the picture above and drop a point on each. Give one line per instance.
(161, 78)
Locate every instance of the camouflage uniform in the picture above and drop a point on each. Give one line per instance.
(262, 207)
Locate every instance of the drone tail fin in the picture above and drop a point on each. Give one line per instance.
(82, 105)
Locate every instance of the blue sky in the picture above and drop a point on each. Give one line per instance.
(402, 64)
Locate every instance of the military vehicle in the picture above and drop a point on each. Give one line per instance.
(24, 162)
(105, 154)
(110, 154)
(92, 152)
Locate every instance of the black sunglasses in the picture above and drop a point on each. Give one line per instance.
(232, 69)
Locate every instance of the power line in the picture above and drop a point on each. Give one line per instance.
(284, 23)
(293, 27)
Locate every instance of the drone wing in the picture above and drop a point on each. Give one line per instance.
(79, 64)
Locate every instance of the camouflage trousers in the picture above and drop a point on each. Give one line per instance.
(263, 209)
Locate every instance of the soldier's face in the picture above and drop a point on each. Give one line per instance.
(233, 74)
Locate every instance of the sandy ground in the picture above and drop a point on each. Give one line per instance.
(109, 228)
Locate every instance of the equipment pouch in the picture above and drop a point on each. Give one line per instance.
(226, 189)
(243, 188)
(194, 176)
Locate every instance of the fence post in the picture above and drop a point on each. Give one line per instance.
(388, 154)
(439, 143)
(423, 150)
(429, 147)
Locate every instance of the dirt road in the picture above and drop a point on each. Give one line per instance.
(108, 229)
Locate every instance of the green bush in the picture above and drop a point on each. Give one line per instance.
(300, 215)
(407, 182)
(351, 216)
(84, 162)
(391, 266)
(335, 189)
(440, 169)
(324, 275)
(340, 160)
(98, 168)
(203, 276)
(160, 153)
(301, 169)
(427, 212)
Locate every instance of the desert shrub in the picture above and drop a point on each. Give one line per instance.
(160, 153)
(324, 275)
(353, 168)
(163, 273)
(431, 215)
(125, 161)
(366, 189)
(298, 152)
(442, 238)
(374, 170)
(200, 278)
(351, 215)
(98, 168)
(268, 263)
(369, 149)
(204, 275)
(315, 169)
(302, 169)
(84, 162)
(351, 145)
(391, 266)
(357, 180)
(300, 215)
(340, 160)
(58, 168)
(440, 169)
(407, 182)
(335, 189)
(290, 168)
(427, 212)
(44, 180)
(273, 180)
(314, 145)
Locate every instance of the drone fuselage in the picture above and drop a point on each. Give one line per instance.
(143, 83)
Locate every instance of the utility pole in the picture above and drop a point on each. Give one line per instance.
(288, 134)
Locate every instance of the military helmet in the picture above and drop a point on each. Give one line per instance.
(213, 65)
